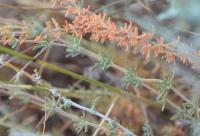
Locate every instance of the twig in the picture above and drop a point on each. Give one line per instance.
(107, 114)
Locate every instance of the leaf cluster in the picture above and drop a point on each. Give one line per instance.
(131, 78)
(163, 88)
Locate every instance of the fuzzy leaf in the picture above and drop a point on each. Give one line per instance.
(74, 48)
(43, 44)
(147, 129)
(163, 88)
(36, 29)
(131, 78)
(104, 63)
(187, 111)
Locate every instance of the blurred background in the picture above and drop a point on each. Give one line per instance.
(169, 19)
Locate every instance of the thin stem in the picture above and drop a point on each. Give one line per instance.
(39, 102)
(142, 106)
(63, 71)
(107, 114)
(12, 113)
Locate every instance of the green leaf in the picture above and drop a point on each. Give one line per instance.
(15, 92)
(66, 104)
(93, 107)
(187, 111)
(80, 125)
(51, 105)
(73, 51)
(43, 44)
(112, 128)
(14, 43)
(74, 48)
(104, 63)
(147, 129)
(163, 88)
(131, 78)
(36, 29)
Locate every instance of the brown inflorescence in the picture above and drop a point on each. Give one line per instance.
(81, 22)
(104, 29)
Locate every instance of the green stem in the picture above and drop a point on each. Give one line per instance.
(72, 74)
(60, 70)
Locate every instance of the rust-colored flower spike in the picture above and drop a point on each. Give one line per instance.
(160, 47)
(104, 29)
(170, 57)
(184, 59)
(6, 35)
(49, 26)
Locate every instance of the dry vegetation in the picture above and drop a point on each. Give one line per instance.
(95, 68)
